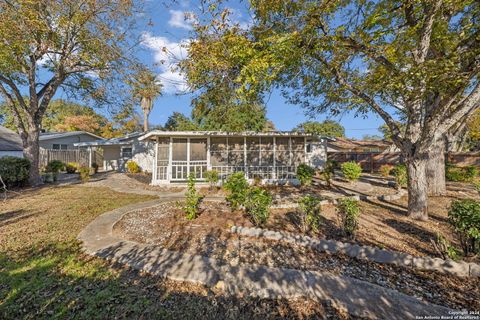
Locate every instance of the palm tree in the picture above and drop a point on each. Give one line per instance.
(145, 88)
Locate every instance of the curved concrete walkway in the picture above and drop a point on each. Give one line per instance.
(360, 298)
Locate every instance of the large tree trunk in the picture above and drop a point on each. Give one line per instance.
(145, 121)
(436, 168)
(31, 151)
(417, 188)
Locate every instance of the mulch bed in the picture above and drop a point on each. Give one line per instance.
(208, 235)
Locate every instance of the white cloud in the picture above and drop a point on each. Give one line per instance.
(181, 19)
(166, 55)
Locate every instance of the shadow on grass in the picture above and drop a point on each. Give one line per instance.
(60, 282)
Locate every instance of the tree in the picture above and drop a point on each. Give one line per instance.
(179, 122)
(329, 128)
(416, 58)
(145, 88)
(46, 45)
(371, 137)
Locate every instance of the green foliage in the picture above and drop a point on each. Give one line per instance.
(464, 216)
(351, 170)
(55, 166)
(179, 122)
(386, 170)
(95, 167)
(14, 171)
(237, 187)
(257, 203)
(311, 213)
(305, 174)
(349, 211)
(328, 128)
(133, 167)
(460, 174)
(84, 174)
(328, 171)
(400, 174)
(71, 167)
(212, 177)
(192, 198)
(445, 249)
(476, 185)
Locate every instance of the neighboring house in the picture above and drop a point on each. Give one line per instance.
(65, 140)
(269, 156)
(360, 146)
(117, 151)
(10, 143)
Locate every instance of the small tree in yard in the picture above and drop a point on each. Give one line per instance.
(257, 204)
(237, 187)
(349, 211)
(310, 213)
(417, 60)
(45, 45)
(212, 178)
(464, 216)
(351, 170)
(305, 174)
(192, 198)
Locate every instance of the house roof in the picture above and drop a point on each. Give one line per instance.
(55, 135)
(9, 140)
(159, 133)
(349, 144)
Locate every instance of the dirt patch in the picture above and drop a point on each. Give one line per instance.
(208, 235)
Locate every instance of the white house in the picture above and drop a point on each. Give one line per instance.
(10, 143)
(65, 140)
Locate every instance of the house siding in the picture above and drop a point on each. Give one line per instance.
(69, 141)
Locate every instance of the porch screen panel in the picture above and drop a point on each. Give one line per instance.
(236, 154)
(198, 157)
(179, 159)
(253, 151)
(266, 151)
(218, 151)
(282, 152)
(298, 151)
(163, 149)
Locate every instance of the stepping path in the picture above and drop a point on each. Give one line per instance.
(360, 298)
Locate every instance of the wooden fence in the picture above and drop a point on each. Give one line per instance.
(79, 156)
(371, 161)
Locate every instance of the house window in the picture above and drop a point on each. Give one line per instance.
(309, 148)
(59, 146)
(126, 152)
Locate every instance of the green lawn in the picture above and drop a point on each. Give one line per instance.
(44, 275)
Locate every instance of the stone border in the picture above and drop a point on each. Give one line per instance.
(359, 298)
(460, 269)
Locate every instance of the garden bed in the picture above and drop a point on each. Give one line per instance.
(209, 235)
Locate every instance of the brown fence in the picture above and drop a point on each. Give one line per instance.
(371, 161)
(78, 155)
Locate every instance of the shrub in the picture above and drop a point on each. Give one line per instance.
(305, 174)
(351, 170)
(237, 187)
(400, 174)
(192, 198)
(84, 174)
(444, 248)
(212, 177)
(310, 210)
(71, 167)
(257, 203)
(464, 216)
(349, 211)
(95, 167)
(14, 171)
(133, 167)
(460, 174)
(476, 185)
(54, 167)
(328, 171)
(386, 170)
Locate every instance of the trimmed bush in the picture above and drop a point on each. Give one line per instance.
(351, 170)
(310, 213)
(460, 174)
(305, 174)
(212, 178)
(386, 170)
(237, 187)
(133, 167)
(84, 174)
(71, 167)
(349, 211)
(464, 216)
(257, 204)
(95, 167)
(400, 174)
(14, 171)
(192, 198)
(54, 167)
